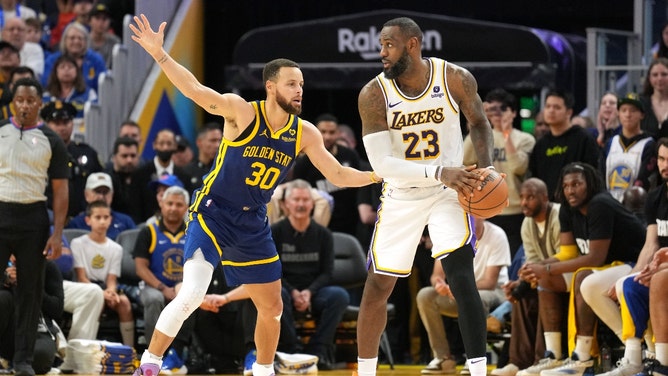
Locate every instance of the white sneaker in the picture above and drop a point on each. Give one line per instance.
(624, 368)
(440, 367)
(571, 367)
(548, 362)
(509, 370)
(465, 370)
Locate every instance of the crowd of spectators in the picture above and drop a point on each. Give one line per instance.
(567, 218)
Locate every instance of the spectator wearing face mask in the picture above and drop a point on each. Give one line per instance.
(146, 204)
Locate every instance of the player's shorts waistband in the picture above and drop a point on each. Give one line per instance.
(412, 193)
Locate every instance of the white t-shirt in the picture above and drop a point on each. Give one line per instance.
(97, 259)
(492, 250)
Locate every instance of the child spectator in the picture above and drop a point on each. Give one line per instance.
(97, 259)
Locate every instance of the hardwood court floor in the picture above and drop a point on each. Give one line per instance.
(384, 370)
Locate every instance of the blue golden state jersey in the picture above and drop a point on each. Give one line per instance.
(166, 252)
(247, 170)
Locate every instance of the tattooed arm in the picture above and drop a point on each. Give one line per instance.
(230, 106)
(464, 89)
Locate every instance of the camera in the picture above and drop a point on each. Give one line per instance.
(521, 290)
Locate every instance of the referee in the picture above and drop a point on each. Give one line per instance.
(31, 155)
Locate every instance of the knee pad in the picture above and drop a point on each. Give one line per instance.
(197, 274)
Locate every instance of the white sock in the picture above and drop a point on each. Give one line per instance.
(147, 357)
(477, 366)
(128, 333)
(366, 367)
(583, 347)
(633, 351)
(662, 353)
(263, 369)
(553, 343)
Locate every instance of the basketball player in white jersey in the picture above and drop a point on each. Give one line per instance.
(411, 131)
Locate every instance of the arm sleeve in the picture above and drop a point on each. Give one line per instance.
(379, 150)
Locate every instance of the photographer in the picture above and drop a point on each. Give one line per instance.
(540, 239)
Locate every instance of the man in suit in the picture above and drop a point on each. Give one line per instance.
(146, 204)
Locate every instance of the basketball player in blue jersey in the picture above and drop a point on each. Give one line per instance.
(411, 131)
(227, 219)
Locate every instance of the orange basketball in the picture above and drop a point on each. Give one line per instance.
(488, 201)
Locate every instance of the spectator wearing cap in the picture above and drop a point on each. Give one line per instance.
(31, 54)
(124, 162)
(7, 109)
(629, 156)
(75, 44)
(84, 160)
(184, 153)
(100, 187)
(164, 146)
(160, 185)
(208, 141)
(102, 39)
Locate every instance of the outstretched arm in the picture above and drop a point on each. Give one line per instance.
(331, 169)
(226, 105)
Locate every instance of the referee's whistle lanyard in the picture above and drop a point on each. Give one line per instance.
(21, 127)
(2, 15)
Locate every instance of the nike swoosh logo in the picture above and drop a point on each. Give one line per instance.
(394, 104)
(477, 361)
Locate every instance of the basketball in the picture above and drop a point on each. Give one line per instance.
(488, 201)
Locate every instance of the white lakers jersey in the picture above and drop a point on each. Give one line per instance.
(424, 129)
(622, 165)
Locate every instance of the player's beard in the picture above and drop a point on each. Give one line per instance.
(286, 106)
(396, 69)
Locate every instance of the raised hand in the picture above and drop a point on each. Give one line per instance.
(150, 40)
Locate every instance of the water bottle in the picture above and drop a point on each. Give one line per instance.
(606, 360)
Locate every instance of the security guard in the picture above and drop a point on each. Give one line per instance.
(84, 160)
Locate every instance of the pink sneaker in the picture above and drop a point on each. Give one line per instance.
(147, 369)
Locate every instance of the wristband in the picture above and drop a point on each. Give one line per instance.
(490, 168)
(548, 267)
(437, 174)
(227, 299)
(374, 178)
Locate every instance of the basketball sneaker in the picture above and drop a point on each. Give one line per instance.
(440, 367)
(571, 367)
(172, 364)
(250, 358)
(624, 368)
(147, 369)
(548, 362)
(509, 370)
(652, 367)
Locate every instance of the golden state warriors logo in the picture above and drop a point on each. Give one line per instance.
(98, 262)
(172, 264)
(620, 177)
